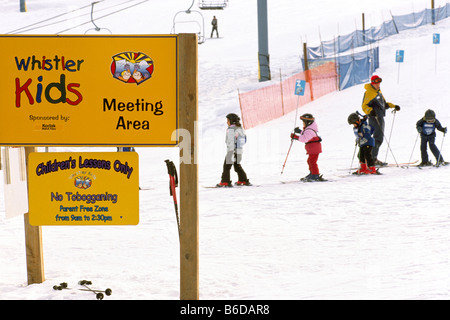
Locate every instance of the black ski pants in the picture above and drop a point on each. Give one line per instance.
(212, 31)
(233, 160)
(365, 155)
(429, 140)
(378, 124)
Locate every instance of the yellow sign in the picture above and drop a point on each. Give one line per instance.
(94, 188)
(88, 90)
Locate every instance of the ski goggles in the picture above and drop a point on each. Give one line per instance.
(377, 80)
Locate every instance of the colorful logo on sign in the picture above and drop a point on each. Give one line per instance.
(82, 182)
(132, 67)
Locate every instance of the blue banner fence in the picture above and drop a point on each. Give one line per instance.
(356, 68)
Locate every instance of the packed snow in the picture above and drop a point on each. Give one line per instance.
(353, 237)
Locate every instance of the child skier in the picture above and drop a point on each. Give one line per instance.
(427, 128)
(235, 140)
(312, 145)
(364, 139)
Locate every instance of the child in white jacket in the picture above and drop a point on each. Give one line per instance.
(235, 140)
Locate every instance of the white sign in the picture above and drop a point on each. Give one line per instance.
(15, 179)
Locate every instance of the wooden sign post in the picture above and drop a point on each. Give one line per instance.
(33, 243)
(189, 199)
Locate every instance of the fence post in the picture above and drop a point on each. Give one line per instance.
(393, 20)
(433, 18)
(243, 116)
(308, 77)
(281, 89)
(364, 28)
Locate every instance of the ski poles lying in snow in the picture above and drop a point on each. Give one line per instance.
(172, 170)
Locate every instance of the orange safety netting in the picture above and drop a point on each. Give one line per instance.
(265, 104)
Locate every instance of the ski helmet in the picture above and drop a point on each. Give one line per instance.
(375, 79)
(233, 117)
(307, 118)
(353, 118)
(430, 115)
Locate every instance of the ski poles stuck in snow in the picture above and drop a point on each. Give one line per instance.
(172, 170)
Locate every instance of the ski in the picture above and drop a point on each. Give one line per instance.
(403, 164)
(143, 188)
(216, 187)
(389, 165)
(377, 173)
(230, 187)
(321, 179)
(442, 164)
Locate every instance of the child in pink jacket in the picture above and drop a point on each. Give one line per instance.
(312, 145)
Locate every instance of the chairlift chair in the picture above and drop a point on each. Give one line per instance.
(212, 5)
(195, 23)
(96, 28)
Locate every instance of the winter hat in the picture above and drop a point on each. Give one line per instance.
(307, 118)
(430, 115)
(375, 79)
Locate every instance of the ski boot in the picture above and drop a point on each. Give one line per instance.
(379, 163)
(224, 185)
(425, 164)
(362, 169)
(306, 178)
(243, 183)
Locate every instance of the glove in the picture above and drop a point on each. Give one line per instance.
(444, 130)
(419, 129)
(397, 108)
(297, 130)
(293, 136)
(373, 113)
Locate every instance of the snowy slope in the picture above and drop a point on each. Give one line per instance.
(382, 237)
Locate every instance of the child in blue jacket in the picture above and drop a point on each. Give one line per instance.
(427, 128)
(364, 139)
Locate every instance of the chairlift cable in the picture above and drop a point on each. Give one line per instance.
(20, 30)
(48, 19)
(106, 15)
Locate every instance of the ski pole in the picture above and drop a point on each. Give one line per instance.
(292, 140)
(353, 158)
(413, 150)
(172, 185)
(282, 169)
(440, 151)
(390, 133)
(387, 142)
